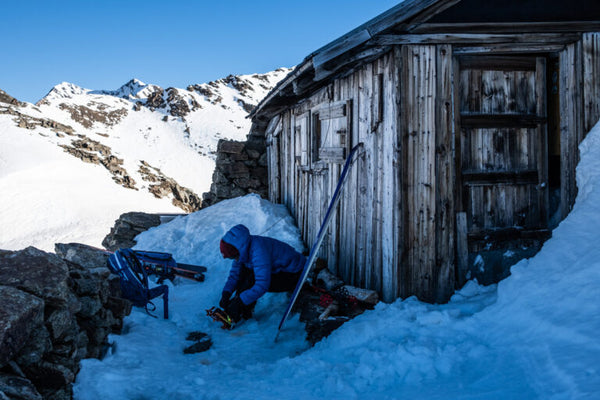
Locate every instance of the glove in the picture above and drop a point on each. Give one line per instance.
(235, 309)
(224, 302)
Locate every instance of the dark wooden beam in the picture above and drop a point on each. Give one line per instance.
(509, 27)
(516, 63)
(478, 178)
(475, 38)
(500, 121)
(510, 48)
(511, 233)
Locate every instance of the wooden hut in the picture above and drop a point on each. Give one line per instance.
(470, 112)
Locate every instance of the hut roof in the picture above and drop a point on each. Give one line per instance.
(427, 21)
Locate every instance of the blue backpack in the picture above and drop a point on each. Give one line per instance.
(134, 281)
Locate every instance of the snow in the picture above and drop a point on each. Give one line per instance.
(48, 196)
(534, 335)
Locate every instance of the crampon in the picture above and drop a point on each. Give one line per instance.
(221, 316)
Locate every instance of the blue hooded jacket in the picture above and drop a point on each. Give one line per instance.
(264, 255)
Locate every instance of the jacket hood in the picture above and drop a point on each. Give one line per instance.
(238, 236)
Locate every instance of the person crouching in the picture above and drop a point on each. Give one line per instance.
(261, 264)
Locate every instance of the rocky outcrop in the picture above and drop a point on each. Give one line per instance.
(127, 227)
(160, 186)
(241, 168)
(94, 112)
(163, 186)
(55, 310)
(28, 122)
(8, 99)
(94, 152)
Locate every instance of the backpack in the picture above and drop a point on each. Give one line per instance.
(134, 281)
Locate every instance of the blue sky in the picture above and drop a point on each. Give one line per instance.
(103, 44)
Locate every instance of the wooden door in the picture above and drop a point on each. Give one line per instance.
(503, 150)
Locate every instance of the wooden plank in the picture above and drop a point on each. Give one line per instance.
(350, 91)
(444, 249)
(475, 38)
(571, 122)
(377, 103)
(391, 192)
(542, 143)
(462, 249)
(407, 13)
(342, 45)
(274, 127)
(591, 79)
(333, 154)
(364, 209)
(419, 107)
(330, 110)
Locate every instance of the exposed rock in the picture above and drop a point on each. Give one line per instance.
(8, 99)
(162, 186)
(53, 313)
(127, 227)
(94, 152)
(178, 106)
(94, 112)
(20, 314)
(155, 99)
(17, 388)
(83, 255)
(39, 273)
(28, 122)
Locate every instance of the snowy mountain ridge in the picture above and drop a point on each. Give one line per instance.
(144, 122)
(157, 144)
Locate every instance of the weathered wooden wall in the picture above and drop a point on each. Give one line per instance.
(398, 242)
(400, 222)
(363, 242)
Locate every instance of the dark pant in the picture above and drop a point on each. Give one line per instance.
(280, 282)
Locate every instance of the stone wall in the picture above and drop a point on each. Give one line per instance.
(55, 310)
(241, 168)
(127, 227)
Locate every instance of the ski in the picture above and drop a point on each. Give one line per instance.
(320, 236)
(165, 267)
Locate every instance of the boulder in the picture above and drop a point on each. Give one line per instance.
(86, 256)
(36, 272)
(18, 388)
(20, 314)
(53, 313)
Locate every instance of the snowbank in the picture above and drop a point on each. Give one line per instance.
(534, 335)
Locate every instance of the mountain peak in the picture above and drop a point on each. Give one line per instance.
(133, 89)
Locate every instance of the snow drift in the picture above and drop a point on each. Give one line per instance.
(534, 335)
